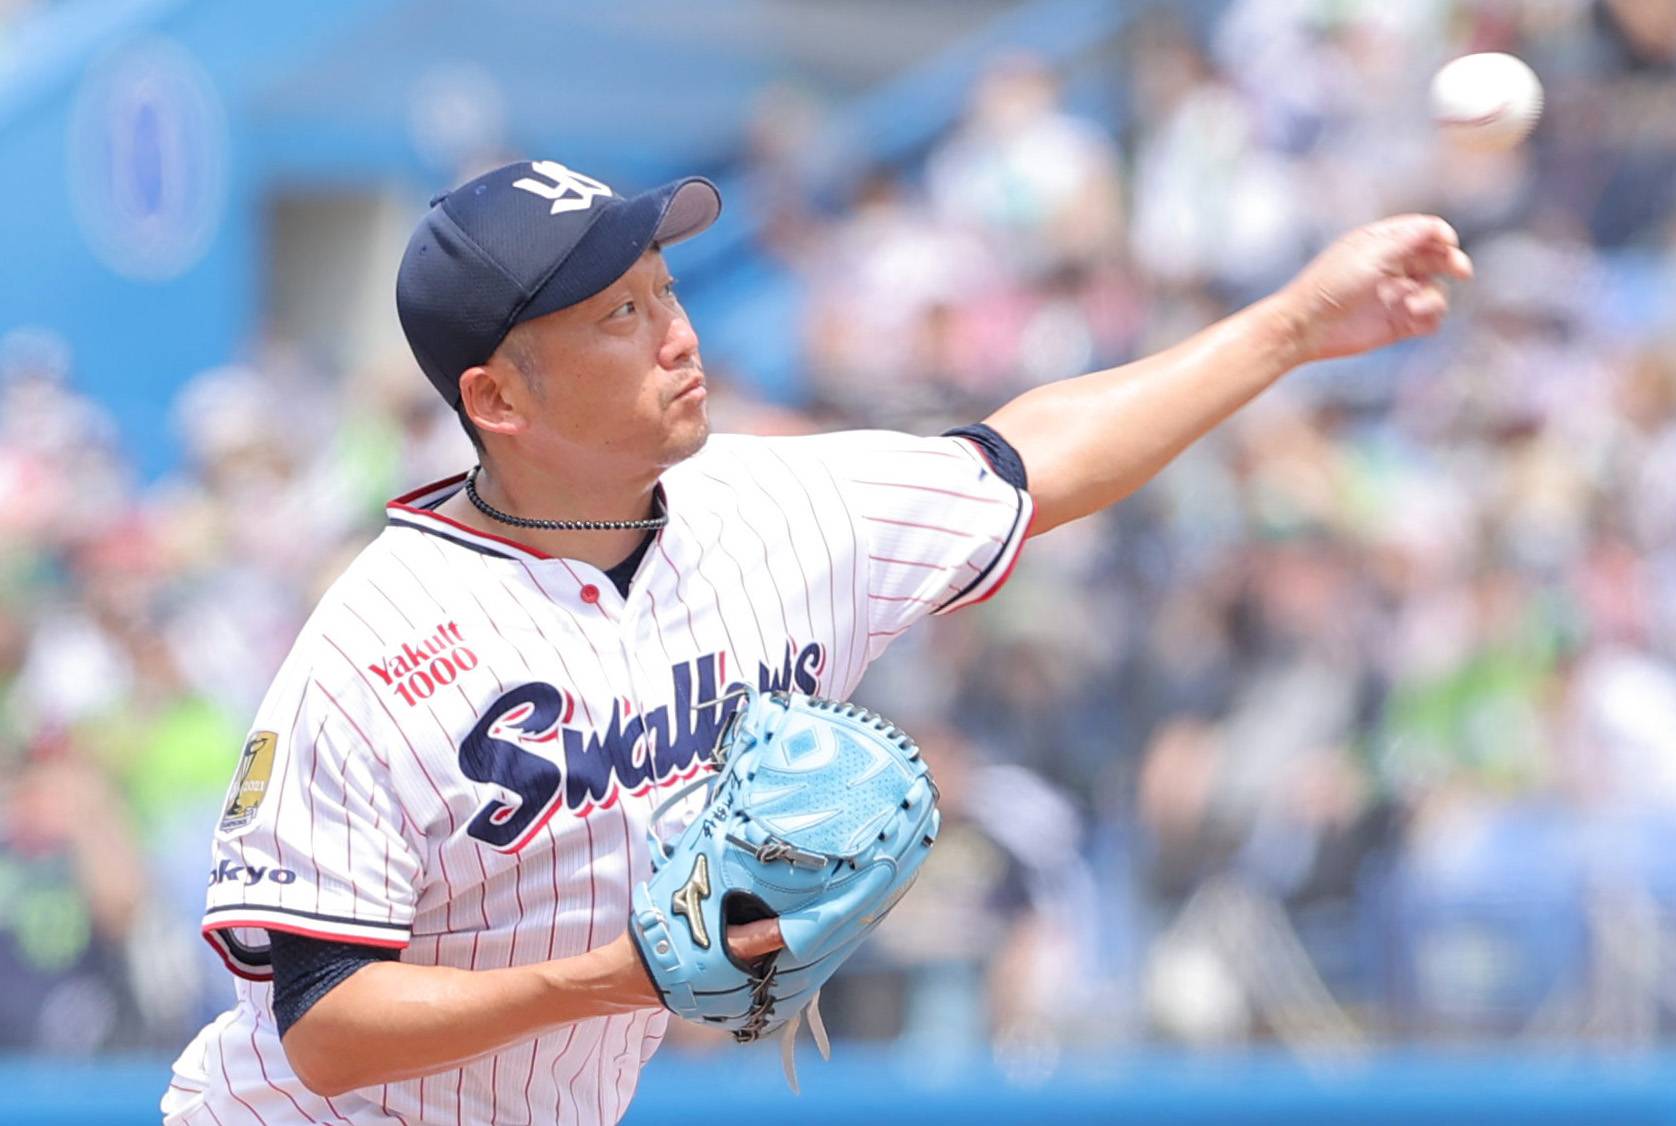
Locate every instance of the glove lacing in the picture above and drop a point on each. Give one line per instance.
(762, 995)
(788, 1039)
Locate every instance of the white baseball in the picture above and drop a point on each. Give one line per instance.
(1487, 101)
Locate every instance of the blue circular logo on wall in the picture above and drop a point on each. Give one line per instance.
(148, 160)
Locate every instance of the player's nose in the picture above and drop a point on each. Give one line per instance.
(680, 343)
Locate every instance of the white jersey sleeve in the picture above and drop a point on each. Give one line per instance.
(941, 529)
(313, 839)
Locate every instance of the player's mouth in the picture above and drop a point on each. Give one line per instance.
(691, 389)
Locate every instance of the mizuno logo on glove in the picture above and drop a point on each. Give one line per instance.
(820, 816)
(689, 901)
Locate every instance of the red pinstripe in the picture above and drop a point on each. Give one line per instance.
(384, 1101)
(221, 1057)
(910, 562)
(279, 849)
(333, 1108)
(371, 746)
(518, 897)
(263, 1064)
(744, 589)
(858, 604)
(313, 852)
(923, 452)
(588, 943)
(587, 823)
(657, 627)
(593, 914)
(393, 605)
(767, 567)
(925, 527)
(831, 567)
(616, 1084)
(587, 1058)
(552, 867)
(628, 898)
(371, 801)
(483, 872)
(553, 1069)
(389, 907)
(448, 736)
(552, 932)
(449, 739)
(652, 749)
(377, 825)
(676, 574)
(557, 651)
(535, 1052)
(460, 1072)
(441, 854)
(931, 489)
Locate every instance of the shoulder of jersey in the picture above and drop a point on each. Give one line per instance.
(726, 454)
(337, 627)
(725, 457)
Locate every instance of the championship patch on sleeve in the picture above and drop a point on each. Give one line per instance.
(250, 783)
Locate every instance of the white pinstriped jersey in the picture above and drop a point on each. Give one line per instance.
(461, 754)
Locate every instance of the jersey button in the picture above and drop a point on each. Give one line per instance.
(590, 593)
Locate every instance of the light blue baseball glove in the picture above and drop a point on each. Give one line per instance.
(820, 814)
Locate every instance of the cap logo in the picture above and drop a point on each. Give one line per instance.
(569, 191)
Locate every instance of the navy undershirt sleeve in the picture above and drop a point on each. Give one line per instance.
(1002, 457)
(306, 969)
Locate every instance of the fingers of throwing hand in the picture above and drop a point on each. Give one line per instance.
(1418, 230)
(1434, 259)
(1459, 264)
(1426, 308)
(1414, 307)
(1439, 231)
(753, 940)
(1429, 247)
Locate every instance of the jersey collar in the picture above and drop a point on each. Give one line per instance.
(417, 510)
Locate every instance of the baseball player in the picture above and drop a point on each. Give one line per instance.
(422, 875)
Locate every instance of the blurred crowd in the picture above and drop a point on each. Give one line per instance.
(1357, 725)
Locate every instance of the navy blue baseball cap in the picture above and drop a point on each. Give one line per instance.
(521, 242)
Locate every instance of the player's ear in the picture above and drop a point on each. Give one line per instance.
(490, 397)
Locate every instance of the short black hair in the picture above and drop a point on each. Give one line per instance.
(515, 347)
(520, 353)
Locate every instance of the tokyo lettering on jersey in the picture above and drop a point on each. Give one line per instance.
(461, 754)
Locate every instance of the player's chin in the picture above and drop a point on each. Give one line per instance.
(687, 435)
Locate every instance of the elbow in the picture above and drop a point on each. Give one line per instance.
(321, 1070)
